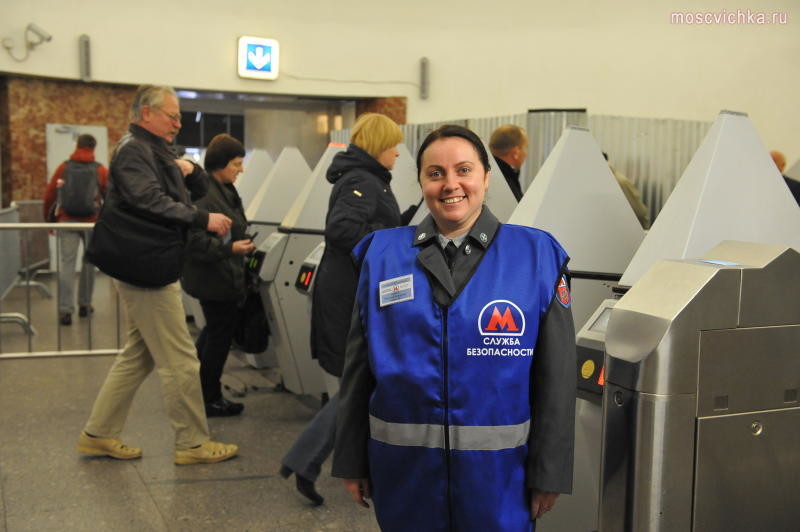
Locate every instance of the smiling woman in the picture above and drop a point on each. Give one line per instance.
(454, 178)
(422, 385)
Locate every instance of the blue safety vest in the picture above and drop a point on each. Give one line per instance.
(451, 410)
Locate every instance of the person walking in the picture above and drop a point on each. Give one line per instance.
(138, 240)
(75, 194)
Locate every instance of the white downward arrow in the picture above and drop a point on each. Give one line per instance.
(258, 58)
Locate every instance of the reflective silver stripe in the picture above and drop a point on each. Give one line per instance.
(493, 438)
(462, 437)
(407, 434)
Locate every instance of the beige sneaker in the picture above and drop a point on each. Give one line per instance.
(208, 453)
(107, 447)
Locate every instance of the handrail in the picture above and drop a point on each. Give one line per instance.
(46, 225)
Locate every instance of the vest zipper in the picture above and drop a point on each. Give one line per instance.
(447, 417)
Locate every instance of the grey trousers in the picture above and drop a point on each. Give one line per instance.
(315, 443)
(68, 251)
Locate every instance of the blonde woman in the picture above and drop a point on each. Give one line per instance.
(361, 201)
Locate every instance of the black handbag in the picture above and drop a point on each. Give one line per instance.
(252, 329)
(135, 249)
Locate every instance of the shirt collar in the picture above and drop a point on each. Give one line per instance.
(141, 132)
(482, 231)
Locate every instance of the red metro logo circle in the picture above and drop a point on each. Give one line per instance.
(501, 318)
(563, 292)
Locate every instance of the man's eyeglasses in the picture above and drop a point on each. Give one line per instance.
(172, 117)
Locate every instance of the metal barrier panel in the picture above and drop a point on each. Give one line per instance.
(29, 313)
(651, 152)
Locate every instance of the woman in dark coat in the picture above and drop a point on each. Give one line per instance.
(214, 270)
(361, 201)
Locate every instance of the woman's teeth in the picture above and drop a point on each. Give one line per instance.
(453, 200)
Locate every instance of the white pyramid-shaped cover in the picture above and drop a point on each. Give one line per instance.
(404, 179)
(731, 190)
(311, 205)
(257, 166)
(576, 198)
(499, 198)
(280, 188)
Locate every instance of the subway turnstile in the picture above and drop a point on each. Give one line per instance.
(701, 420)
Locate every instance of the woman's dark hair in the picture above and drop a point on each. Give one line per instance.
(451, 130)
(221, 150)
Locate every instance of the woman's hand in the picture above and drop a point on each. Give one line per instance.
(243, 247)
(359, 490)
(542, 502)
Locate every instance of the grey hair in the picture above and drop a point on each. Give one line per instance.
(151, 95)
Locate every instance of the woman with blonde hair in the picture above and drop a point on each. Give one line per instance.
(361, 201)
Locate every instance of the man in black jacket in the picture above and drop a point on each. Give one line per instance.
(509, 146)
(151, 187)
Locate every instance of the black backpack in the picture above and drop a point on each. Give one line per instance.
(79, 196)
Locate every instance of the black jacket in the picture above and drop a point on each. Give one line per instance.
(142, 226)
(211, 270)
(512, 178)
(361, 202)
(144, 179)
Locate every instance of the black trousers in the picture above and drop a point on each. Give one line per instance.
(214, 343)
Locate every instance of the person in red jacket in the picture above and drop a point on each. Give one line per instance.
(57, 208)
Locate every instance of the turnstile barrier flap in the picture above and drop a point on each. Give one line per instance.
(653, 337)
(273, 247)
(653, 331)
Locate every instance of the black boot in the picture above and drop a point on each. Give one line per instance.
(304, 486)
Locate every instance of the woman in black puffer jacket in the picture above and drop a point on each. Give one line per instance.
(214, 270)
(361, 201)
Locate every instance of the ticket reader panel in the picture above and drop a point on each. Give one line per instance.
(308, 271)
(268, 255)
(301, 373)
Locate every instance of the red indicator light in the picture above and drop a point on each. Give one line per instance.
(601, 380)
(308, 279)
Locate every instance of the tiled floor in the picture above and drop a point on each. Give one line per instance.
(46, 485)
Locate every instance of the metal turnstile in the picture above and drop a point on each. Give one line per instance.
(701, 420)
(286, 313)
(306, 279)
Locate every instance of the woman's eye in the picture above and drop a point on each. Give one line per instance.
(464, 170)
(434, 174)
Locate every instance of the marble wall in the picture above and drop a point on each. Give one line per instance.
(29, 104)
(394, 108)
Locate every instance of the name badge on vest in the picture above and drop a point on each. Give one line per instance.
(396, 290)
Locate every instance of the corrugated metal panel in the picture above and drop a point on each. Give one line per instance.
(651, 152)
(544, 128)
(484, 127)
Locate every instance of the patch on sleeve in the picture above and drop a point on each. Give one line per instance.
(562, 291)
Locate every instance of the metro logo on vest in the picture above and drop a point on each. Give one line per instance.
(501, 318)
(563, 292)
